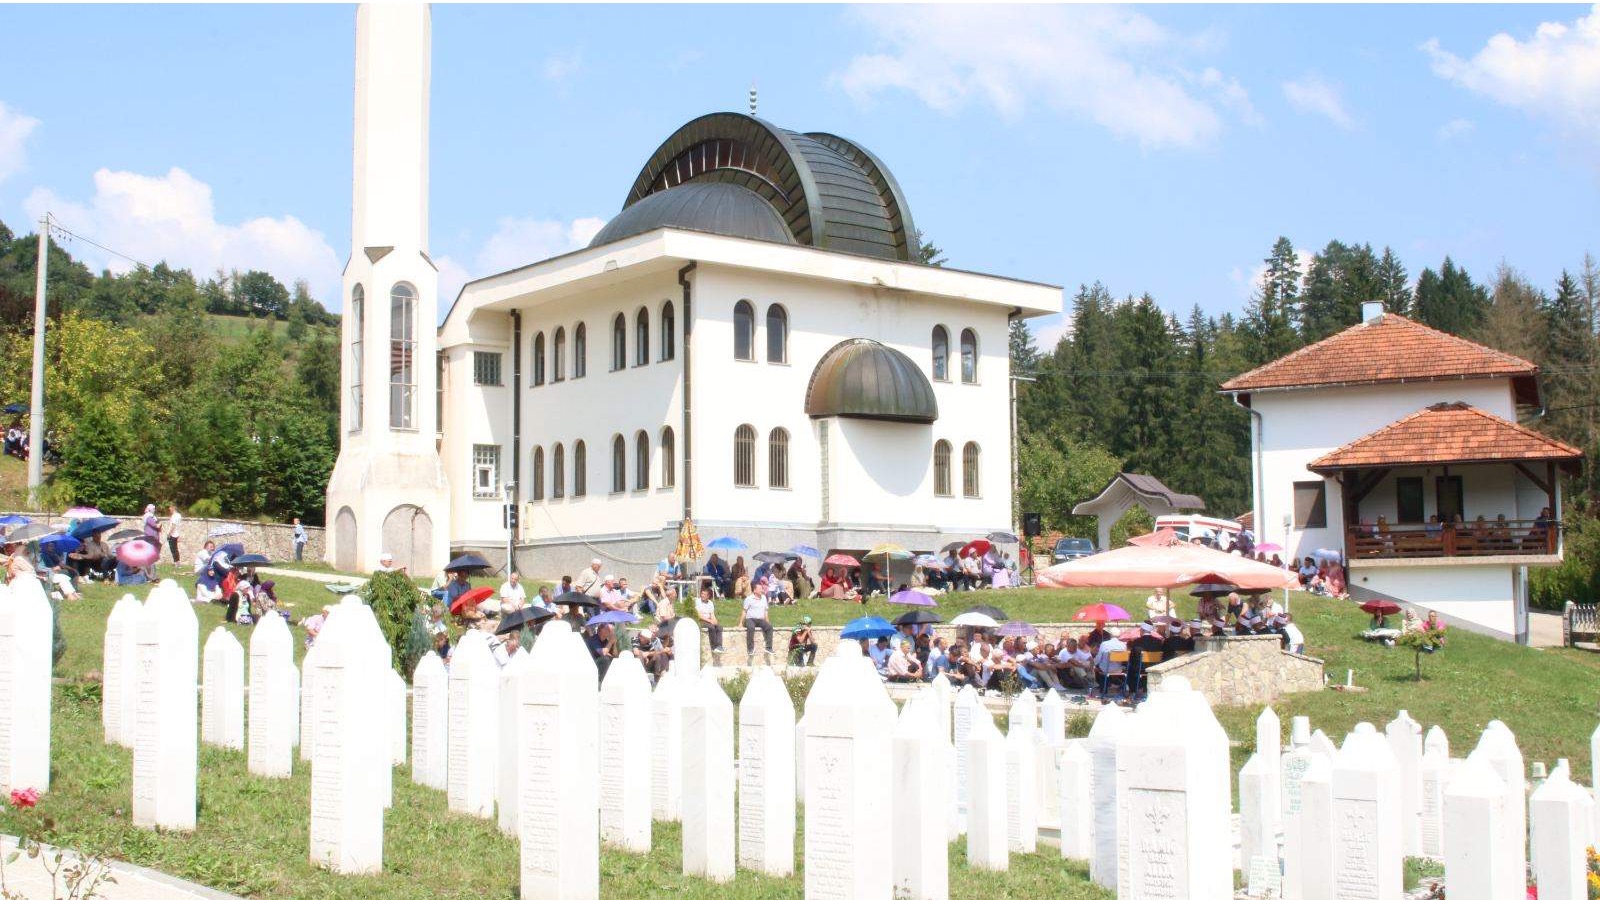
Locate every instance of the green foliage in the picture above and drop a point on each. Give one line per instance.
(1578, 577)
(1420, 641)
(1056, 471)
(102, 465)
(58, 637)
(418, 642)
(735, 687)
(394, 601)
(799, 686)
(1134, 522)
(205, 508)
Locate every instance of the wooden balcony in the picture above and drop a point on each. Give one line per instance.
(1512, 537)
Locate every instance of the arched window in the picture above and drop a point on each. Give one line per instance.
(941, 354)
(777, 334)
(744, 457)
(358, 324)
(538, 359)
(641, 337)
(619, 464)
(538, 473)
(941, 469)
(969, 356)
(558, 372)
(669, 336)
(669, 458)
(641, 461)
(969, 470)
(619, 343)
(744, 331)
(580, 351)
(778, 458)
(558, 473)
(580, 469)
(402, 357)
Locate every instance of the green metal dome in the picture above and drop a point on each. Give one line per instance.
(714, 207)
(863, 379)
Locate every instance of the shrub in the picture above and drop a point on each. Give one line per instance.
(394, 600)
(735, 687)
(1578, 577)
(205, 508)
(58, 641)
(418, 642)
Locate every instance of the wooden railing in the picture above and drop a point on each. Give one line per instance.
(1499, 537)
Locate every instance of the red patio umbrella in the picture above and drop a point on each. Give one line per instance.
(977, 547)
(1380, 607)
(1165, 567)
(470, 598)
(839, 559)
(1101, 612)
(1161, 537)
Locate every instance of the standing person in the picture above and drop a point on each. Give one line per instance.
(174, 519)
(754, 616)
(299, 540)
(152, 525)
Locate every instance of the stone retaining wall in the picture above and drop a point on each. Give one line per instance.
(1242, 671)
(274, 539)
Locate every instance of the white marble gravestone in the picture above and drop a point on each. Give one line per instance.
(1478, 865)
(222, 690)
(1367, 851)
(1047, 773)
(274, 699)
(1258, 845)
(1269, 746)
(1321, 743)
(666, 733)
(847, 758)
(1053, 717)
(308, 701)
(27, 636)
(1498, 746)
(964, 709)
(1434, 774)
(1022, 788)
(686, 647)
(1436, 738)
(560, 820)
(988, 825)
(799, 759)
(625, 748)
(1172, 787)
(430, 718)
(1405, 741)
(707, 805)
(350, 763)
(1023, 713)
(920, 858)
(118, 690)
(1077, 801)
(1102, 747)
(1313, 855)
(1293, 763)
(395, 704)
(766, 775)
(474, 729)
(508, 764)
(1561, 816)
(166, 746)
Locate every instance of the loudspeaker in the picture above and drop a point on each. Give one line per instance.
(1032, 524)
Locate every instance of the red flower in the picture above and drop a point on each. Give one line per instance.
(25, 799)
(1533, 892)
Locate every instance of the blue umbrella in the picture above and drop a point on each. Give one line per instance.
(14, 520)
(59, 544)
(85, 527)
(14, 409)
(868, 627)
(611, 617)
(929, 561)
(231, 550)
(728, 544)
(803, 550)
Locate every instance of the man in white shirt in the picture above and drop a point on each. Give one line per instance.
(513, 596)
(386, 563)
(588, 581)
(753, 617)
(611, 597)
(1291, 631)
(903, 665)
(1074, 665)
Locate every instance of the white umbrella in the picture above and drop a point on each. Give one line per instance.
(975, 620)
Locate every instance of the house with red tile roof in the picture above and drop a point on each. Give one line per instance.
(1402, 449)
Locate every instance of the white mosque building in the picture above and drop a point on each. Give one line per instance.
(751, 343)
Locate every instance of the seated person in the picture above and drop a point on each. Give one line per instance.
(717, 570)
(836, 584)
(1074, 665)
(1106, 668)
(879, 653)
(1096, 636)
(651, 652)
(802, 644)
(903, 666)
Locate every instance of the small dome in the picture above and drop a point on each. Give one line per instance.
(863, 379)
(715, 207)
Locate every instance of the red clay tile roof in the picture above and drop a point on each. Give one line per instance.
(1387, 349)
(1446, 433)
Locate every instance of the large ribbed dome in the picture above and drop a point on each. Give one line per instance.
(714, 207)
(863, 379)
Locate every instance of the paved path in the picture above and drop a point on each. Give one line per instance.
(324, 577)
(1544, 628)
(31, 879)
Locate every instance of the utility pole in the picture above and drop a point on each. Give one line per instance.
(36, 410)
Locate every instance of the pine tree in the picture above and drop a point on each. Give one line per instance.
(100, 464)
(1024, 354)
(1451, 301)
(1571, 383)
(1391, 284)
(1271, 312)
(1514, 320)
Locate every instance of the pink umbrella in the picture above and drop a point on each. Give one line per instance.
(81, 512)
(1270, 548)
(1101, 612)
(138, 554)
(1165, 567)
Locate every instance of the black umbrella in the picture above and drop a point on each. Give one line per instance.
(772, 556)
(1212, 589)
(1003, 537)
(124, 534)
(993, 612)
(28, 532)
(918, 617)
(576, 598)
(251, 559)
(467, 562)
(952, 547)
(526, 617)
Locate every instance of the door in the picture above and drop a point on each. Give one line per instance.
(1449, 498)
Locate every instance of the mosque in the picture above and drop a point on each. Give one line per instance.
(751, 344)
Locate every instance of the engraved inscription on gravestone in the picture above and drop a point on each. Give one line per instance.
(1159, 844)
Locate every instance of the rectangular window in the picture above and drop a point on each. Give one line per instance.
(486, 470)
(1408, 500)
(402, 362)
(1449, 498)
(357, 324)
(1310, 504)
(438, 391)
(486, 368)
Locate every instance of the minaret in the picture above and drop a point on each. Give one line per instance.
(388, 492)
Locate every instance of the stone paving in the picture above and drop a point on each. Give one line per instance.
(31, 878)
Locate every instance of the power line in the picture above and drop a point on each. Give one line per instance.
(55, 225)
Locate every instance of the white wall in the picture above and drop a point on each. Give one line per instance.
(1481, 594)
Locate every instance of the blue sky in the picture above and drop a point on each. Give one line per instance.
(1154, 148)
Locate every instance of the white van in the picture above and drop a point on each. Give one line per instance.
(1189, 526)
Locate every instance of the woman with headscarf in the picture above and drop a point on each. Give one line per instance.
(800, 581)
(740, 577)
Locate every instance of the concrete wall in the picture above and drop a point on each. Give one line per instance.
(1480, 596)
(1242, 671)
(276, 540)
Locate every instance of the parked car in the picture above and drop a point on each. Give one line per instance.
(1070, 548)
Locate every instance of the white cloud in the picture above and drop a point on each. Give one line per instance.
(1456, 128)
(1554, 75)
(172, 217)
(561, 66)
(515, 243)
(1113, 66)
(1049, 330)
(1313, 95)
(14, 131)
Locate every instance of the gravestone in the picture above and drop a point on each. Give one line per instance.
(1477, 862)
(308, 700)
(27, 634)
(766, 771)
(222, 690)
(1258, 846)
(1022, 787)
(430, 717)
(1292, 768)
(1434, 775)
(1102, 747)
(1023, 713)
(799, 757)
(274, 699)
(1053, 717)
(1498, 747)
(1047, 762)
(1172, 787)
(1367, 851)
(1077, 801)
(1405, 741)
(1437, 739)
(946, 694)
(964, 709)
(508, 763)
(847, 758)
(666, 731)
(686, 648)
(988, 825)
(920, 859)
(395, 703)
(558, 814)
(1269, 746)
(624, 742)
(1321, 743)
(474, 729)
(350, 763)
(166, 748)
(117, 688)
(1313, 858)
(707, 812)
(1562, 818)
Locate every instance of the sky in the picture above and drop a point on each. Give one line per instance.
(1156, 149)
